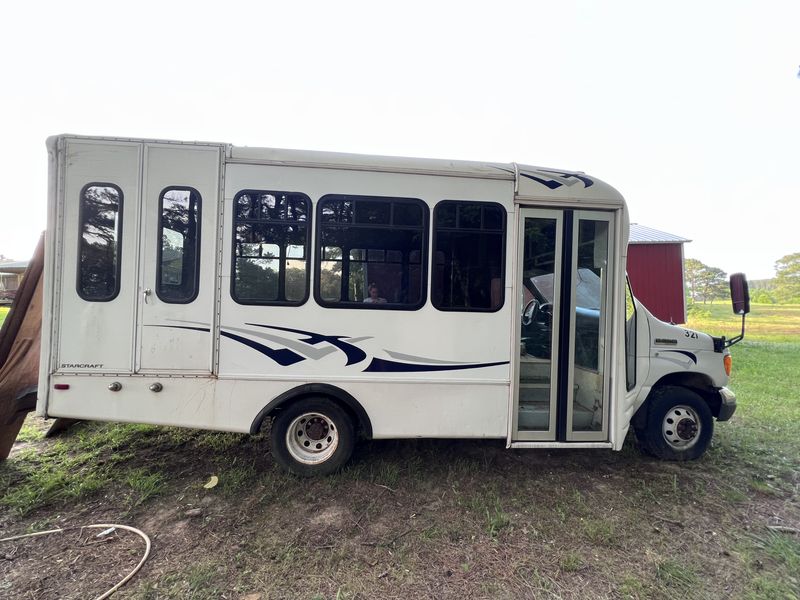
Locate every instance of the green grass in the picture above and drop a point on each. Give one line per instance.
(144, 485)
(759, 449)
(763, 438)
(448, 518)
(600, 532)
(765, 323)
(3, 312)
(765, 433)
(96, 456)
(571, 562)
(675, 576)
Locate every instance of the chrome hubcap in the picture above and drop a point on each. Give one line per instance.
(312, 438)
(681, 427)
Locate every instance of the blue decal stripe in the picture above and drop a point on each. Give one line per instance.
(546, 182)
(354, 353)
(181, 327)
(380, 365)
(685, 353)
(283, 356)
(586, 181)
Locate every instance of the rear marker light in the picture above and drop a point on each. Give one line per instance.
(61, 386)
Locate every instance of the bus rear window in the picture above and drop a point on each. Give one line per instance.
(100, 242)
(179, 250)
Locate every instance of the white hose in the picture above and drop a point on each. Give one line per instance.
(138, 532)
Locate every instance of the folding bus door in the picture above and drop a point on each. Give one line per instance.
(565, 269)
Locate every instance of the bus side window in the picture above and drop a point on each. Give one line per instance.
(270, 247)
(372, 252)
(469, 240)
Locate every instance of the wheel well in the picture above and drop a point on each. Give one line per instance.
(697, 382)
(344, 399)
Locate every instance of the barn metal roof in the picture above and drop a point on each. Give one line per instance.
(639, 234)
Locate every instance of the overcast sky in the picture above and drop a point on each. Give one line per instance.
(690, 109)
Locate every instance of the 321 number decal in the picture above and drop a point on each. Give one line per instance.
(690, 334)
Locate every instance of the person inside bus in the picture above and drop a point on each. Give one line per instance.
(374, 295)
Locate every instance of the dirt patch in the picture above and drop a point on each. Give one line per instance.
(406, 519)
(73, 564)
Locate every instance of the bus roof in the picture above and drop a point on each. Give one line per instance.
(530, 182)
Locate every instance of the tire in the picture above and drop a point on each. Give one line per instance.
(642, 442)
(679, 425)
(312, 437)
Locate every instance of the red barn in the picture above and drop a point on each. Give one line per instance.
(655, 269)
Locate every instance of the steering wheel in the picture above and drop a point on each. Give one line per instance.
(530, 312)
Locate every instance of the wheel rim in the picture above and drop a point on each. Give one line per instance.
(312, 438)
(681, 427)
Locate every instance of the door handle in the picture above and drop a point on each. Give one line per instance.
(146, 293)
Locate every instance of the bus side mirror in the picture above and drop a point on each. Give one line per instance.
(740, 294)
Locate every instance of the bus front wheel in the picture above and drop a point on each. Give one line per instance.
(311, 437)
(679, 424)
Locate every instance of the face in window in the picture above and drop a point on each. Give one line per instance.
(374, 295)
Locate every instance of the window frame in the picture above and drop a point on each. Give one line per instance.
(630, 376)
(424, 258)
(118, 270)
(197, 244)
(503, 245)
(308, 248)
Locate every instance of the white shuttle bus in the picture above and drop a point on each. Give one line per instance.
(340, 296)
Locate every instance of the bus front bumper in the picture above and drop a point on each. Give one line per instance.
(727, 405)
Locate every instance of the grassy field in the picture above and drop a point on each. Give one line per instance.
(766, 322)
(425, 518)
(3, 312)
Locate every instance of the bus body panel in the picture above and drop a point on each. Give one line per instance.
(421, 372)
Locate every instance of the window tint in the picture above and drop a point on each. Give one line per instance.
(100, 242)
(179, 254)
(372, 252)
(468, 256)
(270, 257)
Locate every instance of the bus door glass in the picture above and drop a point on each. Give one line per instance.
(563, 326)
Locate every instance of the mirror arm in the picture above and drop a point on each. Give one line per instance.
(738, 338)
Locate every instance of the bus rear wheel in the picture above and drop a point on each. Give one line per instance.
(312, 437)
(679, 425)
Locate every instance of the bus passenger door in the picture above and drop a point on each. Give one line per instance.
(565, 269)
(178, 259)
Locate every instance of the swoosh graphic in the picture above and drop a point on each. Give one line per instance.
(283, 356)
(380, 365)
(422, 359)
(685, 353)
(305, 349)
(181, 327)
(354, 353)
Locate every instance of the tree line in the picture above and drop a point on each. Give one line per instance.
(706, 284)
